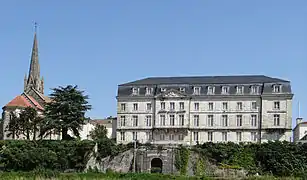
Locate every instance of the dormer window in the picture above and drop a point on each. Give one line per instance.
(240, 89)
(254, 89)
(197, 90)
(182, 89)
(277, 88)
(210, 90)
(225, 90)
(135, 91)
(148, 91)
(163, 89)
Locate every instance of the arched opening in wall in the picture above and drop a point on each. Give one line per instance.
(156, 165)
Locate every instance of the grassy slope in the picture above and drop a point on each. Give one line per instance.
(110, 176)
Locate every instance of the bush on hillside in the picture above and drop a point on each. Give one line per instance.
(46, 154)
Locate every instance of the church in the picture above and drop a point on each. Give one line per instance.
(32, 95)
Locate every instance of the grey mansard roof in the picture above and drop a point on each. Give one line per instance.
(243, 79)
(263, 83)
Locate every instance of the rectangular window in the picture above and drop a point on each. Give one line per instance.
(148, 106)
(182, 89)
(123, 107)
(254, 120)
(239, 136)
(135, 136)
(180, 137)
(148, 120)
(276, 105)
(224, 136)
(210, 90)
(196, 106)
(197, 90)
(162, 120)
(135, 106)
(276, 88)
(225, 106)
(172, 119)
(225, 90)
(181, 105)
(171, 137)
(240, 89)
(225, 120)
(162, 137)
(210, 136)
(210, 106)
(239, 106)
(181, 119)
(239, 120)
(172, 105)
(148, 91)
(148, 136)
(195, 135)
(123, 121)
(276, 119)
(135, 120)
(122, 136)
(254, 89)
(135, 91)
(253, 136)
(254, 105)
(162, 104)
(196, 120)
(210, 120)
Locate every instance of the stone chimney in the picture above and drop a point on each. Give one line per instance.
(299, 120)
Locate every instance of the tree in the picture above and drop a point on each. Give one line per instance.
(29, 122)
(13, 128)
(65, 112)
(26, 124)
(100, 132)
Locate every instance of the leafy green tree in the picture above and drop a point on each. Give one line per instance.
(30, 122)
(100, 132)
(106, 146)
(13, 128)
(26, 124)
(65, 112)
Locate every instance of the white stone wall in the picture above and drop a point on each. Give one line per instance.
(285, 113)
(300, 131)
(248, 131)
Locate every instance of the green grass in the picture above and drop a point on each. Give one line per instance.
(108, 176)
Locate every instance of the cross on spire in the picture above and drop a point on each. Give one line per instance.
(35, 26)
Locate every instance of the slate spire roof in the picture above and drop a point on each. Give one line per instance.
(34, 80)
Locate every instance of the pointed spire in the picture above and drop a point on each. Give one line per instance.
(34, 80)
(34, 72)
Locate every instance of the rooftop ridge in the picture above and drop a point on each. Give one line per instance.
(226, 79)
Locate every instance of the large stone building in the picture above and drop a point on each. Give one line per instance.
(191, 110)
(32, 96)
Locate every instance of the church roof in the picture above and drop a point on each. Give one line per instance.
(23, 101)
(34, 102)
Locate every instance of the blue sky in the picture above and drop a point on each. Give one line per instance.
(99, 44)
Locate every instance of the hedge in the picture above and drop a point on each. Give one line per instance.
(23, 155)
(272, 158)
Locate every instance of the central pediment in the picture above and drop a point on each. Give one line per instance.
(172, 93)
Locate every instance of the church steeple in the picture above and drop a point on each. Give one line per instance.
(34, 81)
